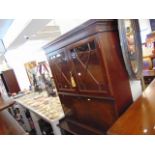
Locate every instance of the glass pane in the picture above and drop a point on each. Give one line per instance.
(88, 67)
(92, 45)
(82, 48)
(62, 70)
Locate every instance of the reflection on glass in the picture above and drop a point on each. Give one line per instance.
(87, 66)
(131, 44)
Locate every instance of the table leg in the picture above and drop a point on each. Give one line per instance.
(35, 119)
(55, 127)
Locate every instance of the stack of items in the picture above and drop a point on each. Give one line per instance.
(48, 107)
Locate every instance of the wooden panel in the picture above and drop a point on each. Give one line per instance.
(10, 81)
(75, 128)
(97, 113)
(140, 117)
(115, 69)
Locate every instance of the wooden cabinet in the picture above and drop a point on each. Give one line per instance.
(10, 82)
(90, 76)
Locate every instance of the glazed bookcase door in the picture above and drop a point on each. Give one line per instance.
(61, 69)
(88, 68)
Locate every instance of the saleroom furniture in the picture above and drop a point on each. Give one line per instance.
(10, 81)
(90, 77)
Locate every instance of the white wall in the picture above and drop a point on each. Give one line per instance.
(136, 89)
(17, 58)
(145, 28)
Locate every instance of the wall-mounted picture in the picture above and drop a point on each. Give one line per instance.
(31, 68)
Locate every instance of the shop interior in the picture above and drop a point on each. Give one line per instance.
(77, 77)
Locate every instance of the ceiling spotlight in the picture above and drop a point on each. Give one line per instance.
(26, 37)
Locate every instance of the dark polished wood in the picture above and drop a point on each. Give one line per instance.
(86, 96)
(140, 116)
(8, 125)
(10, 81)
(75, 128)
(90, 75)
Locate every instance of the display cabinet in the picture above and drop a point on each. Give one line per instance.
(90, 75)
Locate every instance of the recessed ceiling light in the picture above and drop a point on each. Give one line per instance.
(26, 37)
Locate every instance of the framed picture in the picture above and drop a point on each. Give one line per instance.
(130, 40)
(31, 68)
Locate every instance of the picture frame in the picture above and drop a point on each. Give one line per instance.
(129, 33)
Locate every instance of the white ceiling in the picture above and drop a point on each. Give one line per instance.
(19, 31)
(47, 33)
(35, 29)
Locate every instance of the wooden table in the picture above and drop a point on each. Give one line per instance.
(139, 117)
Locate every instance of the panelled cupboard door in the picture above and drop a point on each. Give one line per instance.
(94, 112)
(88, 66)
(62, 70)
